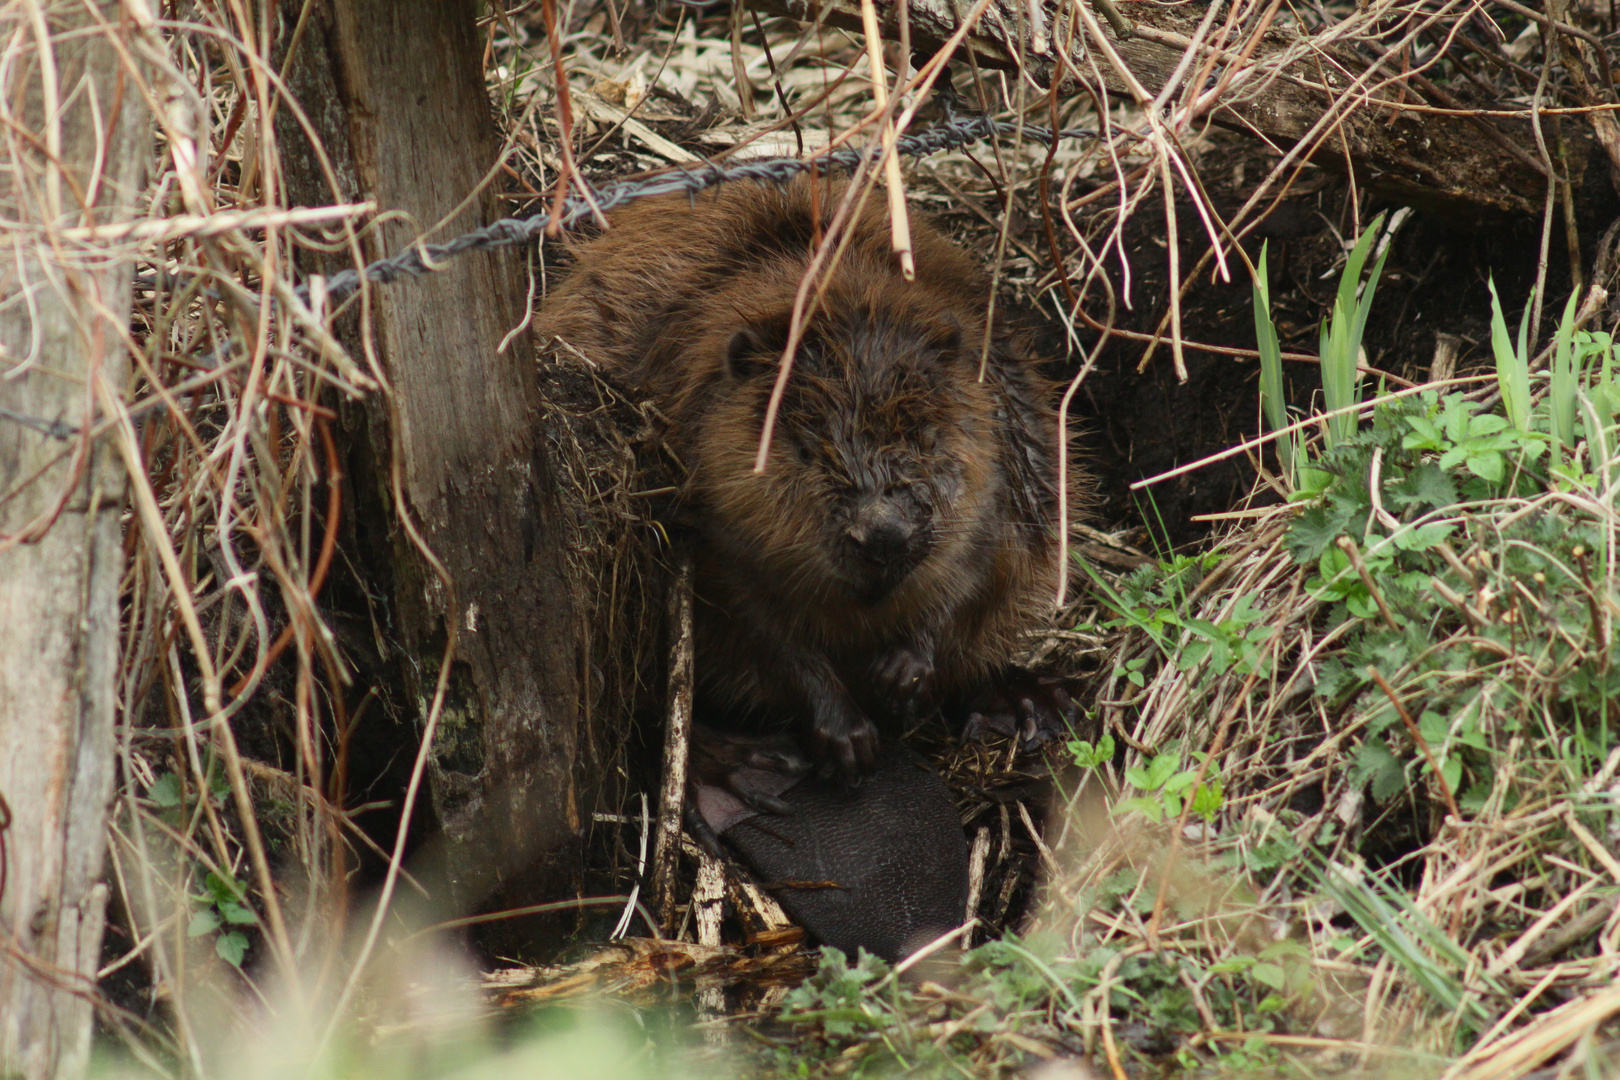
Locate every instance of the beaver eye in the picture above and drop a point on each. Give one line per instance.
(906, 489)
(805, 456)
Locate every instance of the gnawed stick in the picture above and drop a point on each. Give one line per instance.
(709, 896)
(677, 740)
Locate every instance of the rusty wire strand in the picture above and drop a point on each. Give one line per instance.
(419, 260)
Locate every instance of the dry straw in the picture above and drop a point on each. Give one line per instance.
(231, 530)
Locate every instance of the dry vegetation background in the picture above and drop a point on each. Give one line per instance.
(1338, 903)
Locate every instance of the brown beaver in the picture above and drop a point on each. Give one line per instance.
(905, 530)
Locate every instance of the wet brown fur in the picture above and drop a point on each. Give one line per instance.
(688, 302)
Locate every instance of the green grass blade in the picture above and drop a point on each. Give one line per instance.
(1606, 343)
(1350, 280)
(1364, 305)
(1561, 395)
(1406, 935)
(1600, 440)
(1338, 375)
(1524, 327)
(1272, 403)
(1341, 337)
(1512, 366)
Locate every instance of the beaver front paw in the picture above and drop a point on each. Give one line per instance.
(734, 777)
(904, 673)
(845, 743)
(754, 768)
(1035, 709)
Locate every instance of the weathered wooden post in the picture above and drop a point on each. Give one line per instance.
(75, 144)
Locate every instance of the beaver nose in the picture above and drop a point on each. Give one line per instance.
(883, 543)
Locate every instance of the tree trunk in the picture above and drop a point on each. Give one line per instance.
(60, 546)
(1457, 166)
(396, 93)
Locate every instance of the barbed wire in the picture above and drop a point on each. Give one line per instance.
(54, 429)
(420, 259)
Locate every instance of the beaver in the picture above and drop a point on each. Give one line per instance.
(905, 529)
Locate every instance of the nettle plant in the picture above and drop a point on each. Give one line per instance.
(1465, 544)
(222, 911)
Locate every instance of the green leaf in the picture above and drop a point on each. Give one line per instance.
(1489, 466)
(1425, 951)
(232, 947)
(1150, 808)
(1341, 337)
(1360, 602)
(203, 922)
(165, 791)
(219, 786)
(1385, 771)
(1161, 769)
(1284, 949)
(1561, 393)
(1181, 781)
(1423, 537)
(1363, 306)
(1425, 435)
(1088, 756)
(1313, 482)
(1426, 485)
(237, 914)
(1232, 965)
(223, 890)
(1193, 654)
(1271, 975)
(1433, 727)
(1315, 531)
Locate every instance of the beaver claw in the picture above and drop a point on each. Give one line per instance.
(905, 673)
(734, 777)
(844, 744)
(753, 769)
(1035, 709)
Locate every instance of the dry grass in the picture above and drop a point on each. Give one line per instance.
(233, 682)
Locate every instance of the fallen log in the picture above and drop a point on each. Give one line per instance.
(1398, 134)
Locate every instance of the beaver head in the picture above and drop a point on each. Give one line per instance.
(882, 452)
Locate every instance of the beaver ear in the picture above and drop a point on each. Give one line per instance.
(758, 347)
(745, 354)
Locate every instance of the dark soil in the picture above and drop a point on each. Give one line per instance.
(1137, 424)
